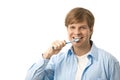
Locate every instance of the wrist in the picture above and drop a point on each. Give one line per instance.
(46, 56)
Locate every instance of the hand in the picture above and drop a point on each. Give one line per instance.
(58, 45)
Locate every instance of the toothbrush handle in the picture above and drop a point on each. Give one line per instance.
(66, 43)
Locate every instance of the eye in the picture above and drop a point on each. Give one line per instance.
(83, 27)
(72, 27)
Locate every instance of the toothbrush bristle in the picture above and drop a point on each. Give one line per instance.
(76, 39)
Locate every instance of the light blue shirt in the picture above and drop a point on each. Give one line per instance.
(63, 66)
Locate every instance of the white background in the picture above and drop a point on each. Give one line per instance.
(27, 27)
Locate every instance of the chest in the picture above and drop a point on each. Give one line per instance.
(66, 70)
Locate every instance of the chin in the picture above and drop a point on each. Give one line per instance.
(77, 44)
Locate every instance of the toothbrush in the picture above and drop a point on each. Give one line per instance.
(74, 40)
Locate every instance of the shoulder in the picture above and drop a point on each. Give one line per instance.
(107, 56)
(102, 54)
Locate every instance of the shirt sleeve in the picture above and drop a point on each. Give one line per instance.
(37, 68)
(115, 72)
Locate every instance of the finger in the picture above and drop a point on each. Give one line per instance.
(58, 44)
(61, 44)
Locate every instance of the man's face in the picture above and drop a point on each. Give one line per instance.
(81, 31)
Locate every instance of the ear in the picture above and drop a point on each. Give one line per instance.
(91, 30)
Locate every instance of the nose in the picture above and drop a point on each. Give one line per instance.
(77, 32)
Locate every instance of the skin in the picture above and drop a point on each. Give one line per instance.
(75, 30)
(82, 31)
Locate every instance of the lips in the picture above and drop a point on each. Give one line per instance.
(77, 38)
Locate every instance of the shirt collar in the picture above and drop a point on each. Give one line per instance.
(92, 53)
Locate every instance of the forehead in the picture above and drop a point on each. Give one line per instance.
(83, 23)
(79, 20)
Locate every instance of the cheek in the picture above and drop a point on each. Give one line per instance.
(70, 33)
(87, 34)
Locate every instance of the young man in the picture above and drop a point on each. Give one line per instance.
(82, 61)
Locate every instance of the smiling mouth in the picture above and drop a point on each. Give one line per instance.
(78, 38)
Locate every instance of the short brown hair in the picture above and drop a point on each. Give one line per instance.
(79, 14)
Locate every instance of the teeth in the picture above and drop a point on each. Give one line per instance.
(76, 40)
(76, 37)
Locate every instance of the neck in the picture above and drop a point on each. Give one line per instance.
(79, 51)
